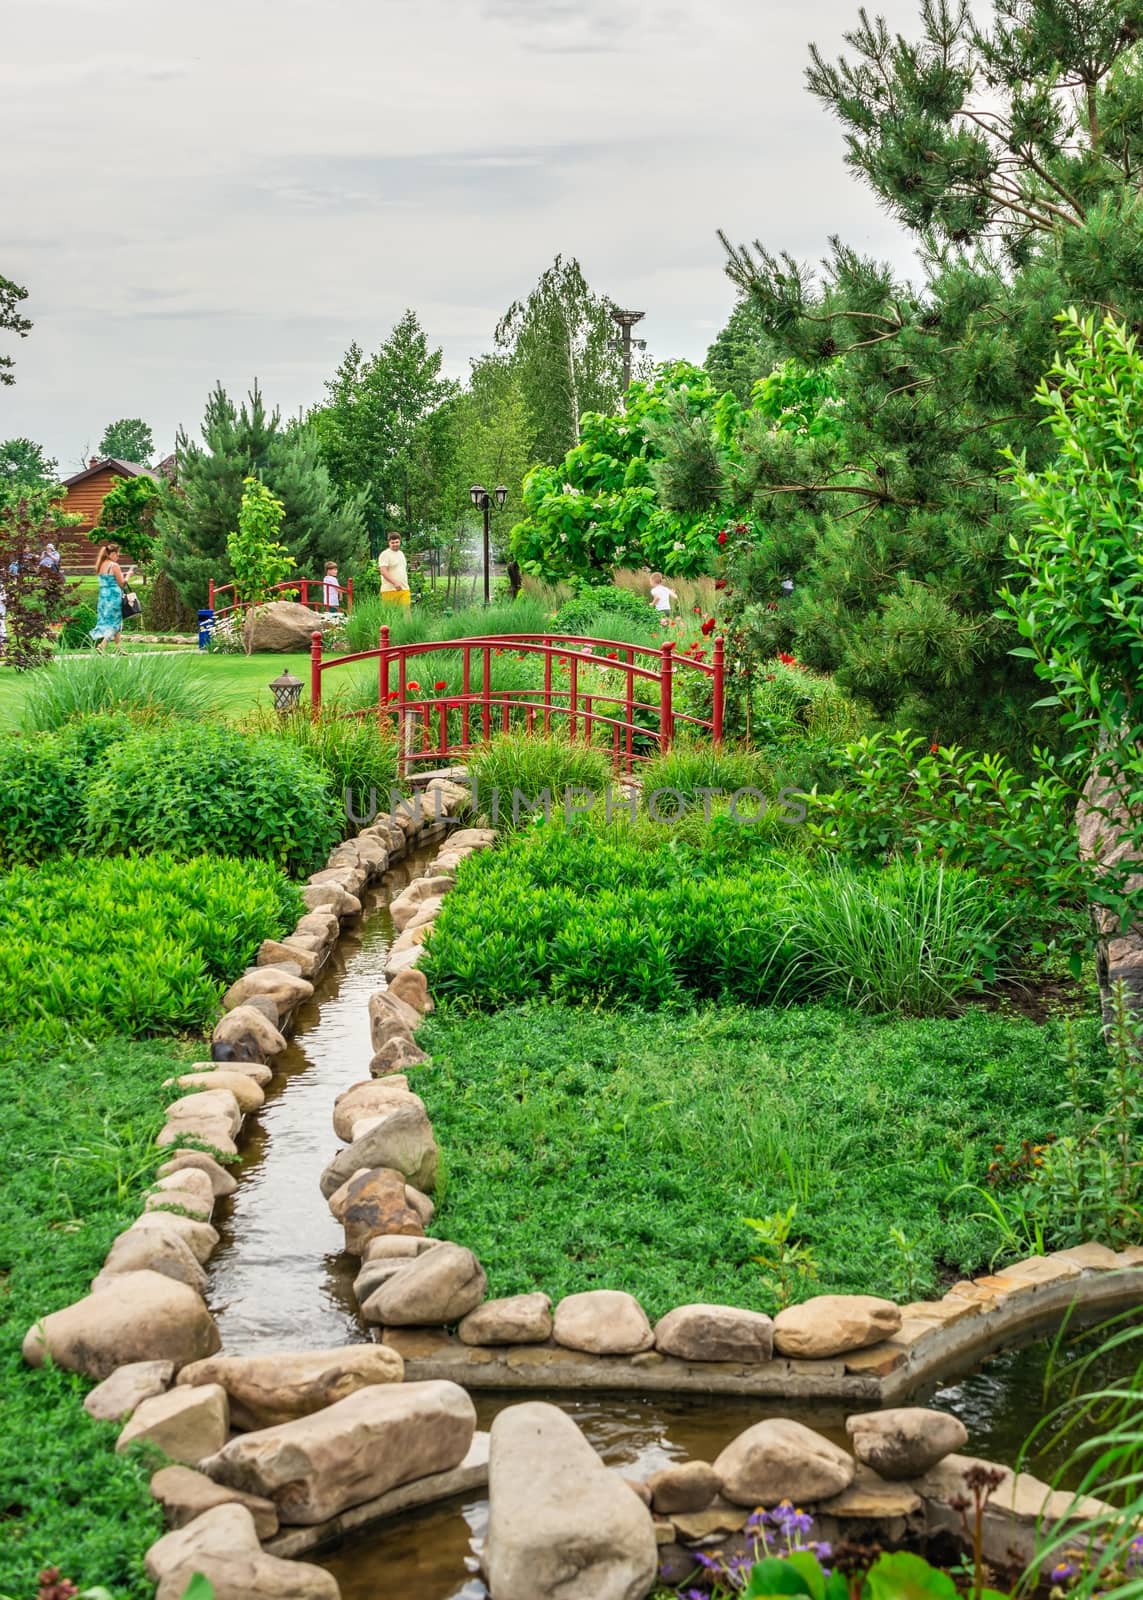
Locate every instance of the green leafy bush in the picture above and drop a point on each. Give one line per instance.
(188, 788)
(589, 610)
(139, 945)
(690, 769)
(76, 631)
(350, 752)
(42, 782)
(86, 685)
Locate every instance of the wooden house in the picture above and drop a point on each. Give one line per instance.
(83, 496)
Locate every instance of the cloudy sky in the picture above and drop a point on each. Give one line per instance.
(237, 188)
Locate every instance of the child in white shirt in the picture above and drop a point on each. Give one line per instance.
(661, 596)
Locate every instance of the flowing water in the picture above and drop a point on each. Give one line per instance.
(280, 1280)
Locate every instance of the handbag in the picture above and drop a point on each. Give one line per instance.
(131, 606)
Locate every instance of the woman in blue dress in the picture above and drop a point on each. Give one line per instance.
(109, 612)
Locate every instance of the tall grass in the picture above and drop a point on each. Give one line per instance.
(350, 752)
(692, 768)
(409, 625)
(533, 765)
(84, 686)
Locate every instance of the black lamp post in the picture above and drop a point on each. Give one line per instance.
(482, 500)
(287, 692)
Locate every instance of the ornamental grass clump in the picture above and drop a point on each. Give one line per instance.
(159, 685)
(530, 767)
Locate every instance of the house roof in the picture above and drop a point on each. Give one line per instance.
(125, 469)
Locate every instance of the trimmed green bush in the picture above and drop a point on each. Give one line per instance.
(187, 788)
(86, 685)
(43, 778)
(140, 945)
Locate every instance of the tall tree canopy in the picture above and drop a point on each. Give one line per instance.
(201, 509)
(1011, 151)
(11, 321)
(129, 439)
(370, 428)
(560, 341)
(23, 463)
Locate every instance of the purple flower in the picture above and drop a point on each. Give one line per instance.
(711, 1563)
(1064, 1570)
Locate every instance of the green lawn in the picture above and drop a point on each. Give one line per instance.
(622, 1150)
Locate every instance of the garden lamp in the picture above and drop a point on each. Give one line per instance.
(287, 692)
(482, 500)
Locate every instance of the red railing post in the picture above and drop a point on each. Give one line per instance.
(666, 716)
(383, 674)
(629, 709)
(717, 694)
(315, 674)
(573, 690)
(486, 695)
(349, 597)
(466, 690)
(210, 594)
(547, 688)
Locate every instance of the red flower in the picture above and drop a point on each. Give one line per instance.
(934, 749)
(412, 686)
(439, 686)
(723, 536)
(787, 660)
(697, 610)
(720, 583)
(708, 627)
(740, 527)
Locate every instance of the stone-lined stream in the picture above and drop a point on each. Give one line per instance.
(280, 1280)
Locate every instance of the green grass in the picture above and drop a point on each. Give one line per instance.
(589, 1150)
(78, 1125)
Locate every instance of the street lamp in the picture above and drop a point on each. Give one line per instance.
(626, 321)
(482, 500)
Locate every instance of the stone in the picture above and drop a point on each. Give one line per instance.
(215, 1134)
(331, 897)
(519, 1319)
(870, 1497)
(904, 1442)
(395, 1057)
(1089, 1257)
(715, 1333)
(425, 914)
(375, 1203)
(323, 924)
(186, 1424)
(176, 1198)
(117, 1396)
(604, 1322)
(207, 1105)
(191, 1181)
(273, 951)
(877, 1360)
(683, 1486)
(707, 1527)
(265, 1007)
(409, 940)
(148, 1317)
(349, 875)
(246, 1025)
(244, 1089)
(201, 1238)
(162, 1250)
(559, 1522)
(388, 1028)
(280, 626)
(401, 1138)
(373, 1274)
(436, 1289)
(367, 1098)
(412, 989)
(270, 983)
(185, 1494)
(781, 1460)
(351, 1451)
(395, 1247)
(404, 907)
(222, 1544)
(385, 1004)
(832, 1324)
(257, 1071)
(266, 1390)
(421, 1204)
(472, 838)
(222, 1183)
(402, 961)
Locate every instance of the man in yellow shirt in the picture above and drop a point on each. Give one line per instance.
(394, 570)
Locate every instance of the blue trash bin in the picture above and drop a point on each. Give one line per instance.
(205, 626)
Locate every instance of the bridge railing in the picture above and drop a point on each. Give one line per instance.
(307, 590)
(448, 723)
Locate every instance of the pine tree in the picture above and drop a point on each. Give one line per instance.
(1011, 153)
(201, 509)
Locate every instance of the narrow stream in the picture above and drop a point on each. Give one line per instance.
(280, 1280)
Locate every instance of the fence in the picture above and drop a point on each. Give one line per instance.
(293, 589)
(441, 727)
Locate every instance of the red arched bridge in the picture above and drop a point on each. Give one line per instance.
(587, 686)
(224, 602)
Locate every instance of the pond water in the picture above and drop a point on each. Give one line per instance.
(280, 1279)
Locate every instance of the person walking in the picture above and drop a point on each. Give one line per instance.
(394, 571)
(109, 612)
(661, 596)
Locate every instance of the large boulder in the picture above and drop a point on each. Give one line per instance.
(374, 1202)
(270, 1389)
(206, 1105)
(780, 1460)
(280, 627)
(200, 1237)
(402, 1137)
(684, 1486)
(520, 1319)
(715, 1333)
(223, 1545)
(433, 1290)
(222, 1182)
(906, 1441)
(146, 1317)
(396, 1056)
(382, 1436)
(833, 1324)
(248, 1094)
(245, 1034)
(603, 1322)
(384, 1005)
(185, 1424)
(560, 1524)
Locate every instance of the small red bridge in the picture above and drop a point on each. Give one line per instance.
(630, 694)
(300, 589)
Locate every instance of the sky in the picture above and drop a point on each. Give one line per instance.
(236, 189)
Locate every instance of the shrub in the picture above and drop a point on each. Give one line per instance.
(42, 781)
(533, 765)
(76, 631)
(349, 752)
(86, 685)
(140, 945)
(188, 788)
(583, 614)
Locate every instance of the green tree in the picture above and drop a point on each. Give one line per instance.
(128, 517)
(560, 342)
(23, 462)
(257, 557)
(11, 321)
(201, 508)
(371, 428)
(742, 353)
(129, 439)
(1010, 150)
